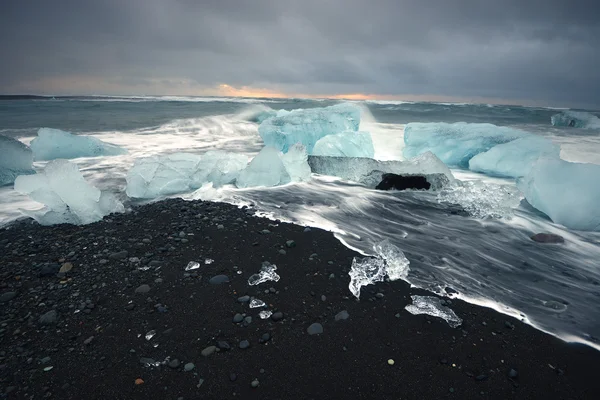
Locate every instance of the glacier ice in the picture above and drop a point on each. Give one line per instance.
(390, 261)
(345, 144)
(307, 126)
(266, 273)
(272, 168)
(256, 113)
(567, 192)
(369, 172)
(68, 197)
(15, 159)
(51, 144)
(455, 144)
(182, 172)
(296, 163)
(576, 119)
(514, 159)
(481, 199)
(430, 305)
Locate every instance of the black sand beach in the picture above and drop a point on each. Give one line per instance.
(81, 334)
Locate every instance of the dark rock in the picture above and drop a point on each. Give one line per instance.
(174, 363)
(450, 291)
(244, 344)
(209, 351)
(232, 377)
(119, 255)
(290, 244)
(49, 269)
(219, 279)
(237, 318)
(8, 296)
(147, 361)
(277, 316)
(547, 238)
(265, 338)
(481, 377)
(315, 329)
(142, 289)
(188, 367)
(513, 374)
(49, 318)
(243, 299)
(403, 182)
(223, 345)
(342, 315)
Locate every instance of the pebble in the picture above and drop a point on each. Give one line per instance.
(142, 289)
(237, 318)
(265, 338)
(8, 296)
(174, 363)
(45, 360)
(379, 295)
(232, 377)
(278, 316)
(306, 230)
(512, 373)
(315, 329)
(547, 238)
(243, 299)
(209, 350)
(248, 320)
(223, 345)
(255, 383)
(282, 252)
(220, 226)
(391, 362)
(119, 255)
(88, 340)
(49, 318)
(147, 361)
(290, 244)
(244, 344)
(188, 367)
(342, 315)
(323, 298)
(219, 279)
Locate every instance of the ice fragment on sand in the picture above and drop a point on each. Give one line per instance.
(209, 261)
(51, 144)
(192, 265)
(345, 144)
(150, 335)
(256, 303)
(308, 126)
(576, 119)
(482, 200)
(395, 260)
(266, 273)
(567, 192)
(68, 197)
(15, 159)
(265, 314)
(430, 305)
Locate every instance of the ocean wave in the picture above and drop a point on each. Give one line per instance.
(576, 119)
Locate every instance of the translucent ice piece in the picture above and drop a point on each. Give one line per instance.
(266, 273)
(365, 271)
(256, 303)
(265, 314)
(192, 265)
(396, 263)
(150, 335)
(432, 306)
(266, 169)
(51, 144)
(345, 144)
(482, 200)
(15, 159)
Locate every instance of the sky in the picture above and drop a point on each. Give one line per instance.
(544, 52)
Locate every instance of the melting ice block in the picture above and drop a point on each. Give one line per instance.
(272, 168)
(182, 172)
(266, 273)
(576, 119)
(51, 144)
(430, 305)
(345, 144)
(68, 197)
(307, 126)
(455, 144)
(369, 172)
(481, 199)
(15, 159)
(567, 192)
(514, 159)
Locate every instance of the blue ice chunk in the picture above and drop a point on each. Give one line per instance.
(567, 192)
(68, 197)
(345, 144)
(296, 163)
(307, 126)
(266, 169)
(514, 159)
(51, 144)
(576, 119)
(455, 144)
(15, 159)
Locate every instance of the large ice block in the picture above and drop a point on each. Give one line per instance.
(345, 144)
(455, 144)
(296, 163)
(51, 144)
(369, 172)
(15, 159)
(182, 172)
(266, 169)
(307, 126)
(514, 159)
(576, 119)
(567, 192)
(68, 197)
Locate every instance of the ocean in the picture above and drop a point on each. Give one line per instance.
(486, 256)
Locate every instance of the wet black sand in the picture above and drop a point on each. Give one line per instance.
(95, 352)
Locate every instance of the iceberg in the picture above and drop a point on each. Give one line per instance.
(576, 119)
(433, 306)
(566, 192)
(51, 144)
(15, 159)
(455, 144)
(369, 172)
(307, 126)
(514, 159)
(272, 168)
(156, 176)
(345, 144)
(68, 197)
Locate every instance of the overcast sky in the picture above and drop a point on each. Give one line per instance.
(542, 51)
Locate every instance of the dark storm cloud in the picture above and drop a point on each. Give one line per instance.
(546, 51)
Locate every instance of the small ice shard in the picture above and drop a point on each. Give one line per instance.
(51, 144)
(576, 119)
(433, 306)
(209, 261)
(266, 273)
(345, 144)
(307, 126)
(396, 263)
(150, 334)
(256, 303)
(265, 314)
(15, 159)
(68, 197)
(365, 271)
(192, 265)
